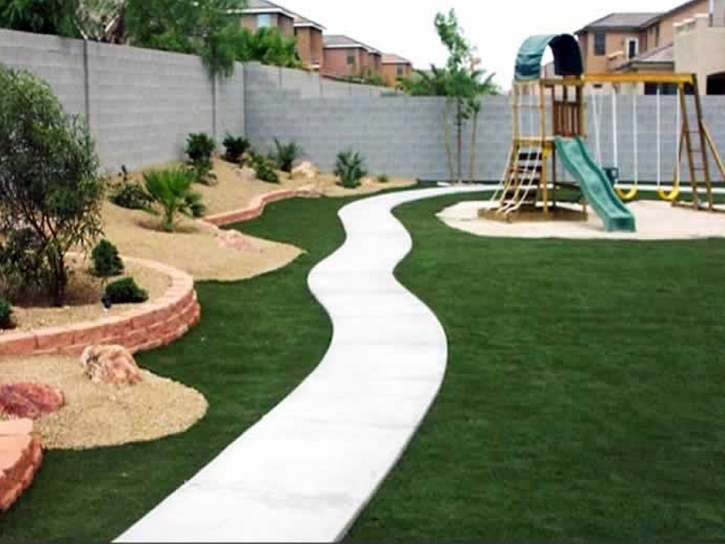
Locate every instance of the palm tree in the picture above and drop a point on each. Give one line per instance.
(171, 191)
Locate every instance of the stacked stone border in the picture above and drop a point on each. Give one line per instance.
(149, 326)
(256, 207)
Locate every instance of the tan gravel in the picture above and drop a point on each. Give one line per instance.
(84, 298)
(328, 183)
(105, 415)
(655, 221)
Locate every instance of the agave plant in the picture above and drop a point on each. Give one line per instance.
(171, 191)
(286, 155)
(350, 168)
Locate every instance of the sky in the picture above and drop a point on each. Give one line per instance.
(495, 27)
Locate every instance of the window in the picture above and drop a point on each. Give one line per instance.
(351, 60)
(600, 44)
(632, 47)
(264, 20)
(657, 36)
(401, 71)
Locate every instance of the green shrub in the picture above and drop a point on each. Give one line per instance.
(6, 315)
(285, 155)
(24, 269)
(49, 179)
(235, 147)
(350, 168)
(199, 149)
(383, 178)
(106, 260)
(126, 291)
(171, 191)
(264, 167)
(129, 195)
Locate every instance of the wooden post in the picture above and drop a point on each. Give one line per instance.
(581, 129)
(688, 145)
(542, 174)
(703, 143)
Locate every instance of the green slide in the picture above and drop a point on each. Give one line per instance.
(595, 184)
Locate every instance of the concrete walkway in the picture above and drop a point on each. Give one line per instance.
(305, 471)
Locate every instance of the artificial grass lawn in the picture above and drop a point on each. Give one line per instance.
(584, 397)
(257, 340)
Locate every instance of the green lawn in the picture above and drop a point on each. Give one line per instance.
(257, 340)
(584, 398)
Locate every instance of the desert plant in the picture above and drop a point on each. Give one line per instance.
(49, 178)
(383, 178)
(23, 267)
(264, 167)
(199, 149)
(126, 291)
(350, 168)
(285, 155)
(6, 315)
(235, 147)
(106, 260)
(171, 191)
(131, 196)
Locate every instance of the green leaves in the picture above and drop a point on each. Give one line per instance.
(350, 168)
(286, 155)
(171, 191)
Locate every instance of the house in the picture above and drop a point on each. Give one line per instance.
(310, 42)
(308, 33)
(345, 57)
(395, 68)
(649, 42)
(264, 14)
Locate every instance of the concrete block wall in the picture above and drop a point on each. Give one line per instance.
(141, 104)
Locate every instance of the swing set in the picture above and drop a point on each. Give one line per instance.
(549, 130)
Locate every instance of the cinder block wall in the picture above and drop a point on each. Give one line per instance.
(141, 104)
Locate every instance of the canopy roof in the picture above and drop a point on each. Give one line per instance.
(567, 56)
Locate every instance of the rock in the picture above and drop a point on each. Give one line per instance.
(233, 239)
(30, 400)
(246, 173)
(110, 365)
(306, 170)
(367, 181)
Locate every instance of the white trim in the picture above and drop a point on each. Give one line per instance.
(264, 11)
(310, 24)
(353, 46)
(636, 49)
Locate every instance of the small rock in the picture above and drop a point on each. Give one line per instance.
(232, 239)
(306, 170)
(110, 365)
(246, 173)
(367, 181)
(30, 400)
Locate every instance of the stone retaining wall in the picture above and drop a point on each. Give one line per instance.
(153, 324)
(257, 205)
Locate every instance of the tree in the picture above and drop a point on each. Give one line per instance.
(268, 46)
(205, 28)
(42, 16)
(49, 180)
(459, 81)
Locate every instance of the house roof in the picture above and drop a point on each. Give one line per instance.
(339, 41)
(265, 6)
(660, 55)
(671, 12)
(392, 58)
(621, 21)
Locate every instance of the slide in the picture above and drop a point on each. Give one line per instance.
(595, 184)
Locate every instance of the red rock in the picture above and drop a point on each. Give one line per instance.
(111, 365)
(29, 400)
(233, 239)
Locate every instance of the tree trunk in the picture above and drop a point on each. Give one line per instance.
(449, 151)
(459, 143)
(474, 137)
(60, 277)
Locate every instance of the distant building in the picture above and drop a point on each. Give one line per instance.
(265, 14)
(395, 68)
(688, 38)
(345, 57)
(310, 42)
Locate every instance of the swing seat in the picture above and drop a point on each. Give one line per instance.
(627, 195)
(669, 197)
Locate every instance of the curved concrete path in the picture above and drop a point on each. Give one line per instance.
(305, 471)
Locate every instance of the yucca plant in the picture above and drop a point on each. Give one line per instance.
(350, 168)
(286, 155)
(171, 191)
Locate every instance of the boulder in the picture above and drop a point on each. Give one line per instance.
(110, 365)
(305, 170)
(29, 400)
(246, 173)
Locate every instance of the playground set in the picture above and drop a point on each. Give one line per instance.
(531, 189)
